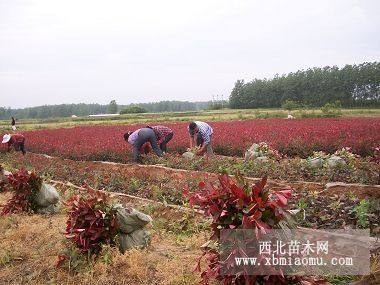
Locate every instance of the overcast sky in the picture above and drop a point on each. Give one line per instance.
(72, 51)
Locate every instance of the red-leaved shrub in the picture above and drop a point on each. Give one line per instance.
(298, 137)
(92, 222)
(24, 186)
(239, 207)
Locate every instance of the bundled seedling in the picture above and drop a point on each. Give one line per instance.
(342, 157)
(262, 152)
(94, 221)
(25, 187)
(239, 207)
(348, 156)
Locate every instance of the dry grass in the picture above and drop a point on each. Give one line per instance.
(30, 244)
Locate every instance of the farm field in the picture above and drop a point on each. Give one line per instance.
(96, 156)
(290, 137)
(189, 143)
(204, 115)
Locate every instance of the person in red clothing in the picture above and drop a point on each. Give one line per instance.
(163, 135)
(15, 140)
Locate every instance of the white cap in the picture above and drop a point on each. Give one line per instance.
(6, 138)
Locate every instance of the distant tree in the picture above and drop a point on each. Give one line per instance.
(3, 112)
(112, 107)
(353, 85)
(236, 97)
(172, 106)
(218, 105)
(290, 105)
(66, 110)
(133, 110)
(332, 109)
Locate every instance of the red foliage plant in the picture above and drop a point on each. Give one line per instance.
(298, 137)
(25, 186)
(239, 207)
(92, 222)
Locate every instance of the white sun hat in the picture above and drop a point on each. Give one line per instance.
(6, 138)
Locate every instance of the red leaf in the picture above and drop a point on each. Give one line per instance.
(238, 192)
(283, 201)
(202, 185)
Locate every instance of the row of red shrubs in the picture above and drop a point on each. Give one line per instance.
(290, 137)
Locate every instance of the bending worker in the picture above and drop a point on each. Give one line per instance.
(201, 135)
(140, 137)
(163, 135)
(15, 140)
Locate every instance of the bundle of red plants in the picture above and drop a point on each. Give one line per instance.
(92, 222)
(239, 207)
(24, 186)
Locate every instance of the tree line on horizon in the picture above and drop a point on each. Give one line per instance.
(170, 106)
(67, 110)
(352, 86)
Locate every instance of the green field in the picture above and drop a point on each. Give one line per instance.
(214, 115)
